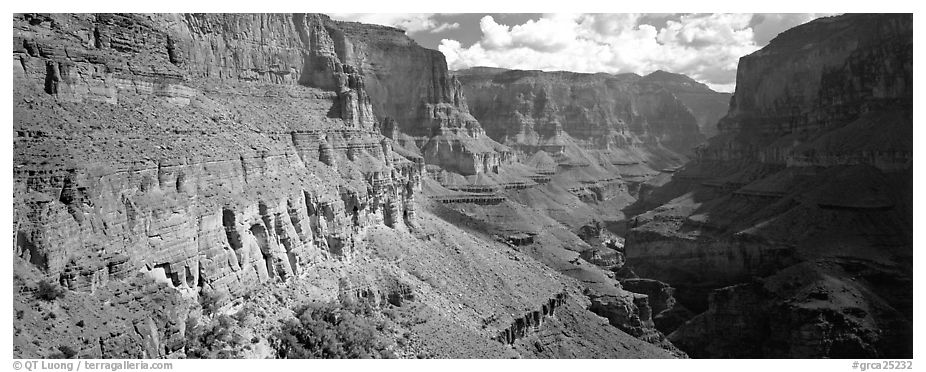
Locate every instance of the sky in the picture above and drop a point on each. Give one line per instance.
(705, 47)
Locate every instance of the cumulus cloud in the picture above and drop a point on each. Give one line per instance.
(706, 47)
(410, 22)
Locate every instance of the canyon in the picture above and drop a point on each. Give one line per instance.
(791, 231)
(192, 183)
(190, 177)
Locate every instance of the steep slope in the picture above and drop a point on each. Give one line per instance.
(171, 170)
(805, 196)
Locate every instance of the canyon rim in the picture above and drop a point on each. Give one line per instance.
(303, 186)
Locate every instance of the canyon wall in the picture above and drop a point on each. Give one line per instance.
(707, 106)
(540, 110)
(413, 91)
(593, 137)
(170, 168)
(205, 190)
(841, 94)
(812, 168)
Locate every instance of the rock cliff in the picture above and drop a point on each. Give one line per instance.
(837, 80)
(110, 182)
(412, 90)
(173, 169)
(707, 106)
(812, 168)
(536, 110)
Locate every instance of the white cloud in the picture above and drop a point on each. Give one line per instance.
(445, 27)
(410, 22)
(705, 47)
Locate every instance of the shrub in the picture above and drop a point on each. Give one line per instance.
(49, 291)
(331, 332)
(211, 300)
(247, 311)
(219, 339)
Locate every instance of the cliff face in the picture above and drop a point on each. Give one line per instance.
(414, 93)
(96, 164)
(813, 165)
(845, 72)
(169, 166)
(707, 106)
(538, 110)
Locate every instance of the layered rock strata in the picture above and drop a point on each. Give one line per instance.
(106, 187)
(531, 321)
(812, 164)
(601, 134)
(535, 110)
(415, 96)
(853, 84)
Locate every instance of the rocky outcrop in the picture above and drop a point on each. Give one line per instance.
(632, 313)
(808, 167)
(531, 321)
(667, 314)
